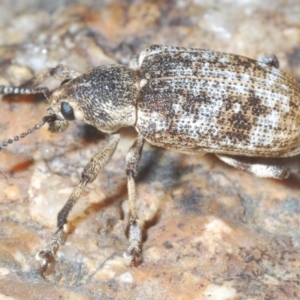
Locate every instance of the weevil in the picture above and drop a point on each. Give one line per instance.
(189, 100)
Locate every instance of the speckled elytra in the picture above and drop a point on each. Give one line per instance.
(189, 100)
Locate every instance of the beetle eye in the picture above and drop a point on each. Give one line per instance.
(67, 111)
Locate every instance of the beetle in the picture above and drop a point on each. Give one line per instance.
(188, 100)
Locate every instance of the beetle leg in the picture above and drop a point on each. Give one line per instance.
(90, 172)
(270, 60)
(259, 170)
(135, 234)
(60, 72)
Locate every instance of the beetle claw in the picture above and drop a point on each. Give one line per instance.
(47, 261)
(134, 255)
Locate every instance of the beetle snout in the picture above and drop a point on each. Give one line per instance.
(56, 121)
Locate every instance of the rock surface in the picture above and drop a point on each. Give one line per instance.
(212, 232)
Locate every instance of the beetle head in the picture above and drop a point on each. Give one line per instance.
(104, 98)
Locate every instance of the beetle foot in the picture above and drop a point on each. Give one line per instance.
(46, 257)
(134, 251)
(133, 254)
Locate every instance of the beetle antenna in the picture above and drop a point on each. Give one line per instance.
(46, 119)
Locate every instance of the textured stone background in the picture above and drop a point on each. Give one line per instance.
(212, 232)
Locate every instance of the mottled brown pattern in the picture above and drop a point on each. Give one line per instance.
(197, 100)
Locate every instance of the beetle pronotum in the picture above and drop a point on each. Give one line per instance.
(189, 100)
